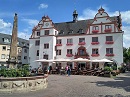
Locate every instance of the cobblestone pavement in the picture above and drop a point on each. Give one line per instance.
(81, 86)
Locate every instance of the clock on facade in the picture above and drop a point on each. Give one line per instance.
(47, 24)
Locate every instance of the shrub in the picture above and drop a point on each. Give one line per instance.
(106, 68)
(24, 71)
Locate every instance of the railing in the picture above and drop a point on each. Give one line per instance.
(95, 31)
(109, 42)
(108, 30)
(94, 43)
(95, 55)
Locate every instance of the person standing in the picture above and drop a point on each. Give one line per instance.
(48, 70)
(69, 70)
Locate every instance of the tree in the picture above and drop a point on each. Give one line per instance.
(126, 55)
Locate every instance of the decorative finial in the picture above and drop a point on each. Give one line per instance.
(15, 14)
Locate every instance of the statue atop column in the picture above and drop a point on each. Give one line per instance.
(12, 61)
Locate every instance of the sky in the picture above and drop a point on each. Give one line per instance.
(30, 13)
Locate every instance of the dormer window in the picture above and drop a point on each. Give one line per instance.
(95, 29)
(6, 40)
(38, 33)
(61, 32)
(81, 31)
(70, 32)
(108, 28)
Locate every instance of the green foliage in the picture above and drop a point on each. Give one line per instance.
(24, 71)
(114, 67)
(126, 54)
(106, 68)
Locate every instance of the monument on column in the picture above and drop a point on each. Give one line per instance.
(12, 61)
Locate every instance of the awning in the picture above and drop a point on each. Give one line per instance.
(105, 60)
(101, 60)
(80, 60)
(62, 60)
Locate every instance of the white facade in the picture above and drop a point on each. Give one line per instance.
(101, 27)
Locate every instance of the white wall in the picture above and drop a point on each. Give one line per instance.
(32, 53)
(117, 38)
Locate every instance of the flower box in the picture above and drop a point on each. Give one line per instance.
(94, 43)
(109, 42)
(109, 54)
(69, 55)
(95, 31)
(108, 30)
(58, 44)
(69, 44)
(82, 43)
(95, 55)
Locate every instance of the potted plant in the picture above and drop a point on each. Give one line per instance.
(107, 71)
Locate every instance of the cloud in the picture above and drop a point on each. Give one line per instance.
(31, 22)
(90, 13)
(126, 36)
(5, 27)
(24, 35)
(42, 6)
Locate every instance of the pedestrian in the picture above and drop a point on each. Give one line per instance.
(48, 70)
(69, 70)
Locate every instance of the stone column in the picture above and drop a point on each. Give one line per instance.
(13, 46)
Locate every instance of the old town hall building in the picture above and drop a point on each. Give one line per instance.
(97, 38)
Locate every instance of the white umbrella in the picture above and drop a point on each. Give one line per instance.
(105, 60)
(62, 60)
(44, 60)
(95, 60)
(80, 60)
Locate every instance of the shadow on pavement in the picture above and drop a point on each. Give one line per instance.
(117, 95)
(121, 82)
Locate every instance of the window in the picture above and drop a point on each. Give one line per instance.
(46, 32)
(3, 48)
(23, 43)
(69, 51)
(61, 32)
(25, 57)
(95, 51)
(38, 33)
(94, 39)
(70, 32)
(19, 50)
(6, 40)
(81, 40)
(107, 26)
(3, 56)
(109, 50)
(109, 38)
(81, 31)
(58, 41)
(19, 57)
(81, 52)
(46, 45)
(58, 52)
(8, 47)
(37, 52)
(7, 57)
(69, 41)
(95, 28)
(37, 42)
(27, 44)
(45, 57)
(25, 50)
